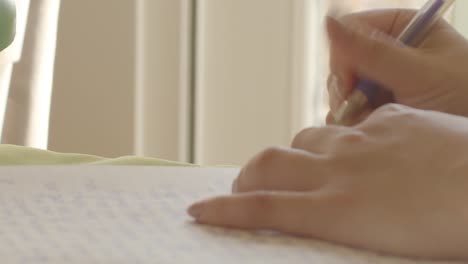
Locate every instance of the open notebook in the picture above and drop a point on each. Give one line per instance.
(136, 215)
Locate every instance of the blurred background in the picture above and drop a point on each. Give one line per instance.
(204, 81)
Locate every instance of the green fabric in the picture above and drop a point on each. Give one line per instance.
(7, 23)
(17, 155)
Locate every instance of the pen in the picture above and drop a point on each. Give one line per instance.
(366, 91)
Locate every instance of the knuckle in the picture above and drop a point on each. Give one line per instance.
(352, 136)
(268, 156)
(257, 173)
(393, 110)
(301, 137)
(384, 118)
(313, 135)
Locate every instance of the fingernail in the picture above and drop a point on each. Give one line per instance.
(336, 93)
(341, 87)
(332, 91)
(196, 210)
(330, 120)
(337, 87)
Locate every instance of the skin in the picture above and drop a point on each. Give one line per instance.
(431, 77)
(396, 181)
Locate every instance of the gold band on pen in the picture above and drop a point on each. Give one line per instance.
(350, 108)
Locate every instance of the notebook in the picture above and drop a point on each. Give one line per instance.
(137, 215)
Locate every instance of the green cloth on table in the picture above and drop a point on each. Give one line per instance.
(17, 155)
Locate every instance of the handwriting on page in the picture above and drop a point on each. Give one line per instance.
(134, 216)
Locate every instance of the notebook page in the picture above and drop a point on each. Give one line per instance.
(136, 215)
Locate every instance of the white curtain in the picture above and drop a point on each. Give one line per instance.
(221, 79)
(216, 80)
(28, 106)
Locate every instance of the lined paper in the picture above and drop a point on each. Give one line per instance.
(137, 215)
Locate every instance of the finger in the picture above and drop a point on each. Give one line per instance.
(380, 119)
(382, 98)
(319, 214)
(361, 117)
(234, 188)
(374, 55)
(318, 139)
(343, 72)
(330, 120)
(390, 21)
(324, 215)
(277, 169)
(336, 92)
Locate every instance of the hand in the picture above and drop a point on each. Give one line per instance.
(432, 76)
(397, 183)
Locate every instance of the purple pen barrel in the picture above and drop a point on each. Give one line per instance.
(418, 28)
(369, 89)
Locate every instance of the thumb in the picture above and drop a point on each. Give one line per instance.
(374, 56)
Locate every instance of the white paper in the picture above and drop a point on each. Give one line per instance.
(136, 215)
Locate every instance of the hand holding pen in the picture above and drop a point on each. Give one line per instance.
(406, 48)
(351, 185)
